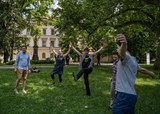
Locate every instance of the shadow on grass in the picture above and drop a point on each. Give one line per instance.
(70, 98)
(148, 99)
(42, 97)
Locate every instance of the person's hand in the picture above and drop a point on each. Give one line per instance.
(152, 75)
(121, 38)
(15, 69)
(70, 45)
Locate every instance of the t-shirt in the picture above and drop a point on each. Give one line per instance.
(86, 62)
(126, 74)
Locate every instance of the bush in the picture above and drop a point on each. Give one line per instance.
(34, 62)
(10, 63)
(42, 62)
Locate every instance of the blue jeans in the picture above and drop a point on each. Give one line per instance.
(124, 103)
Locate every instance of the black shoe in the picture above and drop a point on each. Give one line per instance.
(54, 83)
(74, 76)
(88, 94)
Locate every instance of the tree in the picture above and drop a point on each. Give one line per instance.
(89, 17)
(12, 23)
(16, 15)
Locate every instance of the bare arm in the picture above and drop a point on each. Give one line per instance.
(67, 51)
(145, 71)
(123, 47)
(76, 50)
(98, 51)
(54, 51)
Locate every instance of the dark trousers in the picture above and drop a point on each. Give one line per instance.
(67, 62)
(98, 62)
(59, 75)
(124, 103)
(85, 72)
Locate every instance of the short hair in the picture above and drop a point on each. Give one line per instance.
(86, 49)
(23, 45)
(115, 52)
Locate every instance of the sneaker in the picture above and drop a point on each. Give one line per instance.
(16, 91)
(24, 91)
(54, 83)
(74, 76)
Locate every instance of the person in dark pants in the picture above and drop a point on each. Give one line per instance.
(67, 59)
(60, 62)
(98, 59)
(85, 67)
(127, 68)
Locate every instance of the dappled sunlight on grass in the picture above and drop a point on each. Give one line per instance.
(70, 98)
(147, 81)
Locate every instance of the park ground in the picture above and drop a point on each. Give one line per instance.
(43, 98)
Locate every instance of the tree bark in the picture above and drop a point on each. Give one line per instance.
(6, 56)
(157, 61)
(11, 52)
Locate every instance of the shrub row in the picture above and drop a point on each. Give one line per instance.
(34, 62)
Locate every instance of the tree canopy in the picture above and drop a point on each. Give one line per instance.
(88, 22)
(94, 22)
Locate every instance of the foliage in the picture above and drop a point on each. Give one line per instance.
(42, 62)
(89, 20)
(12, 23)
(16, 15)
(70, 98)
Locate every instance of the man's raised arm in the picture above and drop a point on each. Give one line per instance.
(76, 50)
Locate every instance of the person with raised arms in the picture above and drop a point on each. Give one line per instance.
(86, 64)
(60, 62)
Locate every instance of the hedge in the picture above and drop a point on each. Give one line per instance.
(34, 62)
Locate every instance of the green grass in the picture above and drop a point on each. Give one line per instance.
(42, 98)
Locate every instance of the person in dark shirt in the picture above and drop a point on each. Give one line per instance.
(67, 59)
(85, 67)
(60, 62)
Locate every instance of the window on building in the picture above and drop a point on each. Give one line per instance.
(43, 43)
(44, 31)
(52, 31)
(52, 43)
(43, 55)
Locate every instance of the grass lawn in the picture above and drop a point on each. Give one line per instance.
(42, 98)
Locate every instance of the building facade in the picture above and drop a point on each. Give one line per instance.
(48, 39)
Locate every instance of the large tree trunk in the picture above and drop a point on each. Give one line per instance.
(6, 56)
(11, 52)
(11, 55)
(157, 62)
